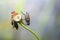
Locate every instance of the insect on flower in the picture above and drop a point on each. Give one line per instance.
(15, 18)
(27, 18)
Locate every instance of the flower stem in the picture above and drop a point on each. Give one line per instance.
(24, 26)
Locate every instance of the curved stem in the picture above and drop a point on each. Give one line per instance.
(38, 38)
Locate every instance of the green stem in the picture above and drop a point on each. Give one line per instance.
(38, 38)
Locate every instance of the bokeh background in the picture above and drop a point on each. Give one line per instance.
(44, 14)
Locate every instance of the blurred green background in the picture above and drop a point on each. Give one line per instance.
(44, 14)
